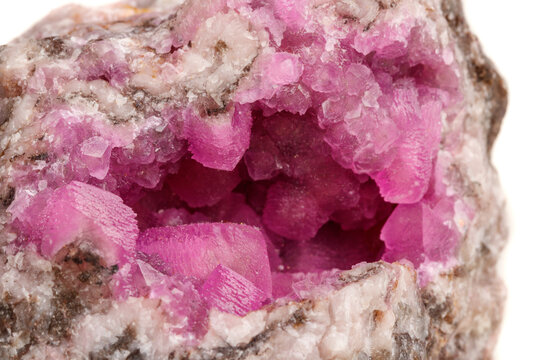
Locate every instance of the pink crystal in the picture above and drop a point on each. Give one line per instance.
(417, 233)
(95, 153)
(292, 12)
(81, 212)
(196, 249)
(230, 292)
(274, 72)
(101, 61)
(182, 302)
(218, 141)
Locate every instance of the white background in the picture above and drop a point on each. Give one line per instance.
(509, 31)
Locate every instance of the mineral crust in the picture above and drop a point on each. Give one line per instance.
(250, 179)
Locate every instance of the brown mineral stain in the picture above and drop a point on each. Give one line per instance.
(220, 47)
(9, 86)
(84, 276)
(381, 354)
(124, 342)
(377, 316)
(8, 197)
(408, 348)
(6, 111)
(135, 355)
(41, 156)
(7, 319)
(67, 305)
(55, 47)
(216, 111)
(298, 318)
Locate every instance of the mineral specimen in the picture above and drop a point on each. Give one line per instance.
(250, 179)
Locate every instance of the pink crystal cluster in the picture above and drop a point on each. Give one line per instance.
(321, 154)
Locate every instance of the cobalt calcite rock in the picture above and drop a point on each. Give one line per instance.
(250, 179)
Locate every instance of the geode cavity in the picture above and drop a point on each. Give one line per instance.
(250, 179)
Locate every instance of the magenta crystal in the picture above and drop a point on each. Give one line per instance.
(417, 233)
(183, 304)
(230, 292)
(195, 250)
(220, 140)
(78, 212)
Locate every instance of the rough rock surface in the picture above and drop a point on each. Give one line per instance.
(240, 179)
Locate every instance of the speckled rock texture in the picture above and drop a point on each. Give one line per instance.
(250, 179)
